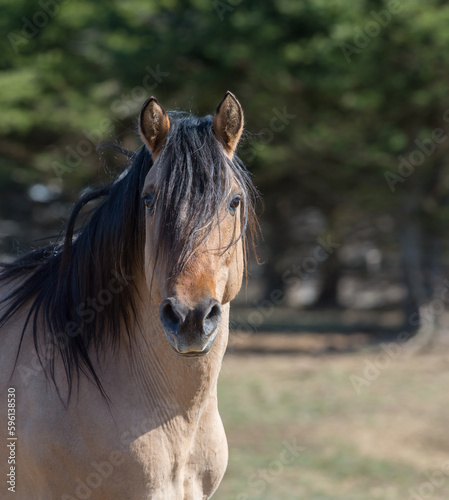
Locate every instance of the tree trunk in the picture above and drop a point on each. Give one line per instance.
(331, 272)
(440, 290)
(424, 281)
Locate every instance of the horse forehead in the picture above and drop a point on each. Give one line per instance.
(156, 171)
(153, 175)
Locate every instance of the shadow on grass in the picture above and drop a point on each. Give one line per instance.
(317, 333)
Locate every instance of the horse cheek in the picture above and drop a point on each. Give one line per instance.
(235, 275)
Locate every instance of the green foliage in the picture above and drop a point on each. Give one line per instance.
(360, 82)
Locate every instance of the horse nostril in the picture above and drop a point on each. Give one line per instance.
(212, 318)
(177, 319)
(171, 318)
(170, 314)
(215, 312)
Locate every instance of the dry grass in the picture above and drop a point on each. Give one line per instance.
(375, 445)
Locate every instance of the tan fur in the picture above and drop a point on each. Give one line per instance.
(228, 122)
(161, 437)
(154, 125)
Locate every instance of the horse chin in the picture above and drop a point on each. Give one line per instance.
(193, 351)
(191, 354)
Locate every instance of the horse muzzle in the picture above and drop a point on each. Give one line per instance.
(191, 331)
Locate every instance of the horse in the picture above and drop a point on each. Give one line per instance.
(112, 337)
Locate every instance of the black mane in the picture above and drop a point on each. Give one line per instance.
(60, 282)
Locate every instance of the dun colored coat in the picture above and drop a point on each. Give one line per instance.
(112, 340)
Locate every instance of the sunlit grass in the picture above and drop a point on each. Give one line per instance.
(374, 446)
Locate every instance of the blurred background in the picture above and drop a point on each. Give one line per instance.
(335, 384)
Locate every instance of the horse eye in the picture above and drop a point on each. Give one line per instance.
(149, 202)
(234, 203)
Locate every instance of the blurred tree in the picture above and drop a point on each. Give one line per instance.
(346, 105)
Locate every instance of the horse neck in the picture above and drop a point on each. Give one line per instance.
(163, 377)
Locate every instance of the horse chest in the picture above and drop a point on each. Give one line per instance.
(135, 459)
(183, 463)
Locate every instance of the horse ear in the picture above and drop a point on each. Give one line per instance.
(154, 125)
(228, 122)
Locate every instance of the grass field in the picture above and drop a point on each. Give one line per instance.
(297, 429)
